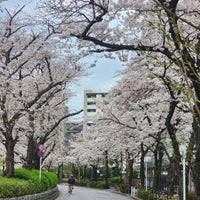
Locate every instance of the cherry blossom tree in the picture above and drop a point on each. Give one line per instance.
(158, 27)
(137, 110)
(141, 101)
(132, 109)
(35, 75)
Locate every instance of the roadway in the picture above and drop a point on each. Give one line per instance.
(83, 193)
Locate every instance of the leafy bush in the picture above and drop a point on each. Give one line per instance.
(102, 185)
(15, 187)
(115, 179)
(124, 188)
(30, 175)
(48, 179)
(191, 196)
(81, 183)
(92, 184)
(26, 182)
(98, 184)
(52, 177)
(145, 195)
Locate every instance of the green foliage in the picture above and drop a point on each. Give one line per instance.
(98, 184)
(92, 184)
(115, 179)
(53, 179)
(102, 185)
(124, 188)
(15, 187)
(48, 179)
(136, 174)
(26, 182)
(145, 195)
(151, 76)
(191, 196)
(29, 175)
(81, 183)
(115, 171)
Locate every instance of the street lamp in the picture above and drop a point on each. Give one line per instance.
(182, 149)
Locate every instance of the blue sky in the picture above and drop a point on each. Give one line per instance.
(101, 78)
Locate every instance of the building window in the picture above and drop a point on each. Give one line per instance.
(89, 124)
(91, 103)
(91, 95)
(91, 110)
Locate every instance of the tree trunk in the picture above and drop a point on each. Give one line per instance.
(84, 172)
(158, 155)
(79, 171)
(94, 170)
(9, 144)
(142, 167)
(60, 172)
(196, 166)
(106, 166)
(171, 179)
(130, 178)
(121, 166)
(32, 151)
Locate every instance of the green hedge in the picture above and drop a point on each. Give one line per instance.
(81, 183)
(27, 182)
(93, 184)
(31, 176)
(191, 196)
(102, 185)
(48, 179)
(13, 187)
(115, 179)
(124, 188)
(145, 195)
(52, 177)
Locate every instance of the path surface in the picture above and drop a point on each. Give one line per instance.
(82, 193)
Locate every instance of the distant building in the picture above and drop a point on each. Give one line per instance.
(90, 108)
(73, 129)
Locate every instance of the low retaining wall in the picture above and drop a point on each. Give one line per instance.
(47, 195)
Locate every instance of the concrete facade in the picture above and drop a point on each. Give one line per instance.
(90, 106)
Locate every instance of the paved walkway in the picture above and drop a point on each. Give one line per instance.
(83, 193)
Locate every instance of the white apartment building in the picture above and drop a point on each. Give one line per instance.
(90, 108)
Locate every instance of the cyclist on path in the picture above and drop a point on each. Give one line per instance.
(71, 182)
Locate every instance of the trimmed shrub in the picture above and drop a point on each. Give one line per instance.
(115, 179)
(15, 187)
(191, 196)
(26, 182)
(98, 184)
(48, 181)
(30, 175)
(92, 184)
(145, 195)
(81, 183)
(52, 177)
(124, 188)
(102, 185)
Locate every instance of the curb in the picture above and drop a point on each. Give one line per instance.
(47, 195)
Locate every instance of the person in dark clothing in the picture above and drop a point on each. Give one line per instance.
(71, 182)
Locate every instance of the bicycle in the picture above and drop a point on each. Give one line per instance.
(70, 188)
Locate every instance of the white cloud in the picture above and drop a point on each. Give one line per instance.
(101, 80)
